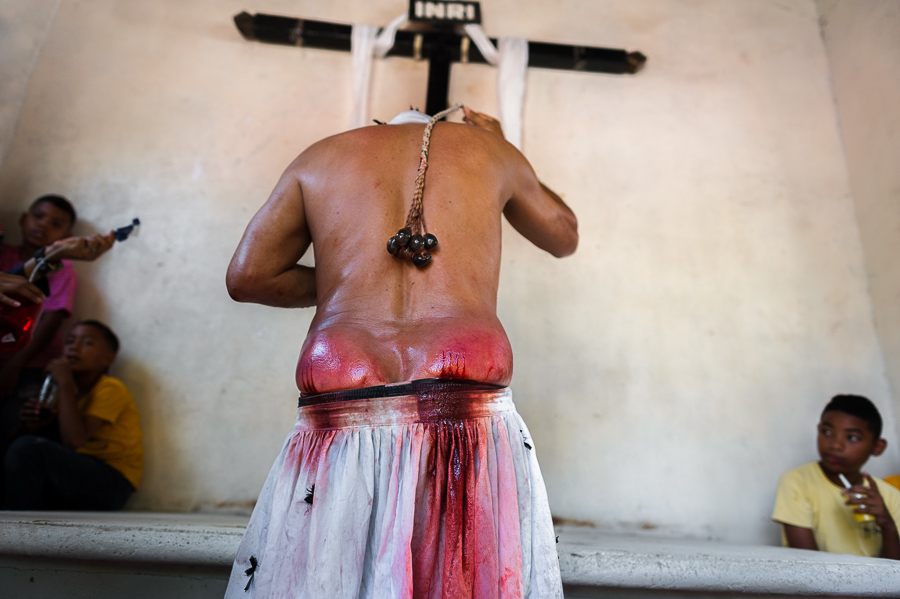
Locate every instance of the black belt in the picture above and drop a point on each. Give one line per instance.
(430, 387)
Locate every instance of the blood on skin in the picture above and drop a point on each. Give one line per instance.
(333, 360)
(329, 362)
(475, 355)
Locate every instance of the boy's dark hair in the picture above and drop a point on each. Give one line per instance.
(107, 333)
(58, 201)
(859, 406)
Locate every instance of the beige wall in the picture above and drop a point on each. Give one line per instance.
(863, 43)
(669, 371)
(23, 29)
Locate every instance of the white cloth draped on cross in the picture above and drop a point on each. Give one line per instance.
(511, 58)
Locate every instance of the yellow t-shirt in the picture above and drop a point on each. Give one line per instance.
(118, 440)
(806, 498)
(893, 480)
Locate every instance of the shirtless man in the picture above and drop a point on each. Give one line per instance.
(380, 320)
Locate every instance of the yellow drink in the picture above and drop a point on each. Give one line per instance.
(853, 506)
(860, 517)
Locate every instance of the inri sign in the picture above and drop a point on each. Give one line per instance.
(441, 11)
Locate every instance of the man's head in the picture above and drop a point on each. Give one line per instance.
(849, 434)
(48, 219)
(90, 347)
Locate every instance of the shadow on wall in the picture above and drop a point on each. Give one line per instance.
(140, 382)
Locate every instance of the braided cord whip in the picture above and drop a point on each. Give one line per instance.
(415, 219)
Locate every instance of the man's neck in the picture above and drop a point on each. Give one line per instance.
(855, 478)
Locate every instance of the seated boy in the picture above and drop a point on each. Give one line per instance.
(813, 506)
(99, 461)
(48, 219)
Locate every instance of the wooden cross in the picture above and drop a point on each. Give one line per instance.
(440, 44)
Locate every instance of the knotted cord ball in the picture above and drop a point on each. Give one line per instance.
(403, 236)
(416, 246)
(393, 246)
(416, 243)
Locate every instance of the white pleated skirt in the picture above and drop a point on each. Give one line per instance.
(429, 489)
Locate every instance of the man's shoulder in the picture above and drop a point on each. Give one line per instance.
(108, 399)
(805, 474)
(111, 384)
(342, 147)
(380, 134)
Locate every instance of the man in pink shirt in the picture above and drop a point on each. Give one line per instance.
(48, 219)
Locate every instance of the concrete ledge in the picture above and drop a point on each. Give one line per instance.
(176, 539)
(589, 559)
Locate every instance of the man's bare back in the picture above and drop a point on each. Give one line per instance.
(380, 319)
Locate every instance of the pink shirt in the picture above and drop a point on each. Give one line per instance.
(62, 297)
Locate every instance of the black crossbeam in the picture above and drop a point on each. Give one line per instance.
(440, 47)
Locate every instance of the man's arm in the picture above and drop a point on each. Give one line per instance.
(87, 249)
(73, 248)
(890, 540)
(800, 538)
(264, 267)
(74, 428)
(534, 210)
(868, 500)
(541, 216)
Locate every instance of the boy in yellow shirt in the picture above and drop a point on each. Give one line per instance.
(813, 505)
(99, 462)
